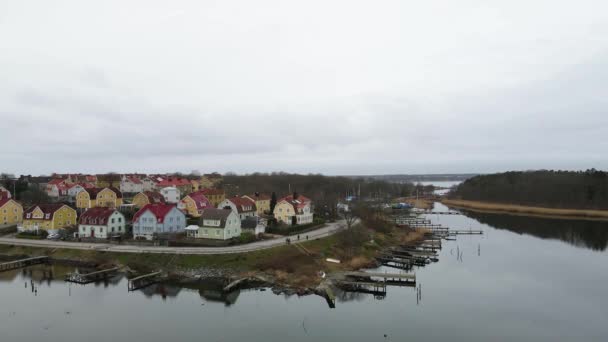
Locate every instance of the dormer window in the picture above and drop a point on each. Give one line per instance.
(47, 216)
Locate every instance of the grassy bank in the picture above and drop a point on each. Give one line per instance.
(289, 265)
(528, 210)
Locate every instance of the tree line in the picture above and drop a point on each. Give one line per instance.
(547, 188)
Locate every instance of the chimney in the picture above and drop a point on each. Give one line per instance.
(295, 195)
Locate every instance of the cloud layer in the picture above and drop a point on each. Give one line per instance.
(346, 87)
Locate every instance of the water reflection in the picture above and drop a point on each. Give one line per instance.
(587, 234)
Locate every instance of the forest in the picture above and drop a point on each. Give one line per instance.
(545, 188)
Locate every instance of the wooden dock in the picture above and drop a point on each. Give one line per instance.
(375, 283)
(144, 281)
(12, 265)
(465, 232)
(91, 277)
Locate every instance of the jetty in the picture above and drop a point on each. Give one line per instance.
(374, 282)
(465, 232)
(145, 280)
(12, 265)
(87, 278)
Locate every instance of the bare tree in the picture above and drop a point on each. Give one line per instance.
(349, 217)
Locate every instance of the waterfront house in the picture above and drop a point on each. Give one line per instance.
(218, 224)
(194, 204)
(294, 210)
(244, 207)
(49, 217)
(171, 194)
(101, 223)
(147, 197)
(215, 196)
(11, 212)
(99, 197)
(158, 219)
(262, 202)
(131, 185)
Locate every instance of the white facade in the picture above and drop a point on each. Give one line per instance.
(4, 192)
(243, 214)
(147, 224)
(171, 194)
(73, 191)
(115, 225)
(129, 186)
(148, 184)
(213, 229)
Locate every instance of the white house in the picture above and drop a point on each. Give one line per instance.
(148, 184)
(218, 224)
(158, 218)
(243, 206)
(4, 193)
(131, 185)
(73, 190)
(101, 223)
(171, 194)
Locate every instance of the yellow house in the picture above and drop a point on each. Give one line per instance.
(147, 197)
(194, 204)
(215, 196)
(49, 217)
(11, 212)
(262, 202)
(108, 180)
(99, 197)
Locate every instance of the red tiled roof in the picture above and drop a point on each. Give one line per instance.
(98, 216)
(172, 181)
(56, 181)
(134, 180)
(160, 210)
(299, 203)
(241, 202)
(200, 200)
(50, 209)
(3, 201)
(212, 191)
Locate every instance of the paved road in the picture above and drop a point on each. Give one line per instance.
(329, 229)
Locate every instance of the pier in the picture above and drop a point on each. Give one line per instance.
(12, 265)
(364, 282)
(91, 277)
(144, 281)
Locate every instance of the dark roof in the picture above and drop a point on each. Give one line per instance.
(215, 214)
(98, 216)
(249, 222)
(241, 202)
(212, 191)
(49, 208)
(259, 197)
(94, 191)
(154, 197)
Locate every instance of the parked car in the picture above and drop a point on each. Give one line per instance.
(53, 236)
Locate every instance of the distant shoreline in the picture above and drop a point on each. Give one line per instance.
(522, 210)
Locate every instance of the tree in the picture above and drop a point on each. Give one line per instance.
(349, 217)
(273, 201)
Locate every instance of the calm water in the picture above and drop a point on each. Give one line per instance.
(524, 280)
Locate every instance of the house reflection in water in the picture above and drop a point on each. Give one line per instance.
(217, 295)
(162, 290)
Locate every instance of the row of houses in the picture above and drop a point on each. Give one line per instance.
(100, 217)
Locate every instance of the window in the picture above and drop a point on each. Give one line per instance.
(101, 230)
(119, 219)
(112, 229)
(112, 220)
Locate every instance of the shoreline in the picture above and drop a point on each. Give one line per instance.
(522, 210)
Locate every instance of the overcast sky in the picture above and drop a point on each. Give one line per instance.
(334, 87)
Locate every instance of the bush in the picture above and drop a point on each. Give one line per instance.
(33, 235)
(245, 237)
(291, 230)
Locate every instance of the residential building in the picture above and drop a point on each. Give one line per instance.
(147, 197)
(255, 225)
(49, 217)
(244, 207)
(158, 219)
(148, 184)
(99, 197)
(194, 204)
(11, 212)
(293, 210)
(101, 223)
(171, 194)
(73, 190)
(215, 196)
(262, 202)
(219, 224)
(57, 188)
(131, 185)
(183, 184)
(4, 193)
